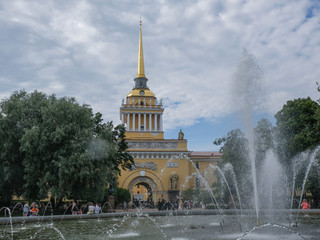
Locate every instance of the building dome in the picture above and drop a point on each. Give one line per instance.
(141, 93)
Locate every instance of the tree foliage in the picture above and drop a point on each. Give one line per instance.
(196, 195)
(235, 151)
(121, 195)
(57, 145)
(297, 130)
(263, 141)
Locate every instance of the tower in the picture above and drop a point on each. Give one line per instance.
(162, 166)
(140, 111)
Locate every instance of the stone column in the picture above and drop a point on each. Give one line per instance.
(139, 121)
(144, 122)
(161, 122)
(155, 122)
(150, 122)
(134, 121)
(128, 121)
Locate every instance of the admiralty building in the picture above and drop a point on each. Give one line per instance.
(163, 167)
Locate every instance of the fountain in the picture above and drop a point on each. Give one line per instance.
(184, 224)
(177, 224)
(267, 218)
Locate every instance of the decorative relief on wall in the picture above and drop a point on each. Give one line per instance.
(143, 179)
(153, 145)
(145, 165)
(172, 164)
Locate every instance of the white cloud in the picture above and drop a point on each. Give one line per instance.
(88, 49)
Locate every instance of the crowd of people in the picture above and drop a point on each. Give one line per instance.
(140, 204)
(31, 210)
(162, 205)
(77, 208)
(179, 204)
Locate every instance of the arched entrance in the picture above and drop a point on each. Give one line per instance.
(142, 189)
(144, 176)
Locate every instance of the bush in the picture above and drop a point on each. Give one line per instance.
(121, 195)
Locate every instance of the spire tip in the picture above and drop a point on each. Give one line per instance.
(140, 56)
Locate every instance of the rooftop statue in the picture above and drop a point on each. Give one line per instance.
(181, 135)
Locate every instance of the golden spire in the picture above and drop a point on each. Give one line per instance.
(140, 56)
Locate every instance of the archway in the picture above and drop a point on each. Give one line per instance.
(147, 176)
(142, 192)
(142, 189)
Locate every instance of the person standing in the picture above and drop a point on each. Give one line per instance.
(180, 204)
(97, 209)
(34, 210)
(75, 208)
(203, 205)
(305, 204)
(26, 209)
(91, 209)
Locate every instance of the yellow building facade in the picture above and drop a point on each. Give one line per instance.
(163, 167)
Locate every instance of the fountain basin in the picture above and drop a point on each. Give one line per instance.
(194, 224)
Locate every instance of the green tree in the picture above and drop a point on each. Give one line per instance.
(263, 135)
(235, 151)
(189, 194)
(57, 145)
(122, 158)
(263, 141)
(297, 130)
(196, 195)
(121, 195)
(18, 113)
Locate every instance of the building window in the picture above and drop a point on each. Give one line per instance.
(197, 165)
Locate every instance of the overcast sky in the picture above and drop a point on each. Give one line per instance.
(89, 50)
